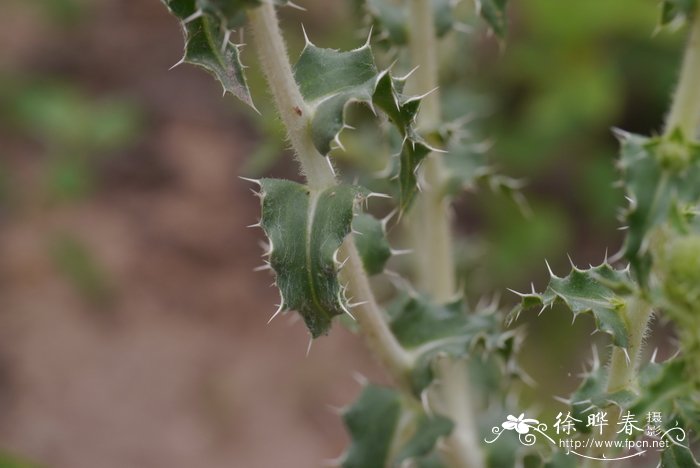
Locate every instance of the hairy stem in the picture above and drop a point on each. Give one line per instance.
(622, 370)
(623, 366)
(461, 448)
(685, 109)
(273, 56)
(432, 239)
(272, 53)
(431, 219)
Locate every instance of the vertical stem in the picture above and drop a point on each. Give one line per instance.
(432, 241)
(623, 366)
(319, 175)
(462, 449)
(685, 109)
(272, 53)
(431, 220)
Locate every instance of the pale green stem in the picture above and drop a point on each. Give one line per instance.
(622, 369)
(431, 217)
(684, 115)
(273, 56)
(431, 228)
(623, 366)
(685, 109)
(461, 448)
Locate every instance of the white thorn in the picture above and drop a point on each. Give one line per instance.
(294, 5)
(627, 356)
(193, 16)
(549, 268)
(264, 267)
(407, 75)
(397, 252)
(227, 36)
(542, 310)
(254, 181)
(361, 379)
(653, 355)
(378, 195)
(369, 37)
(562, 400)
(279, 310)
(180, 62)
(571, 262)
(306, 37)
(308, 348)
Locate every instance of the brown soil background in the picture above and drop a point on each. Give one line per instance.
(181, 369)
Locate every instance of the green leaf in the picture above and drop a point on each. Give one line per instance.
(330, 80)
(387, 430)
(494, 13)
(667, 387)
(427, 329)
(305, 229)
(596, 290)
(371, 243)
(678, 456)
(662, 176)
(390, 20)
(207, 28)
(672, 10)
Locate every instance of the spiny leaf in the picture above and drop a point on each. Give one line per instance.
(387, 430)
(678, 456)
(672, 10)
(390, 19)
(596, 290)
(666, 388)
(330, 80)
(494, 13)
(207, 26)
(662, 176)
(371, 243)
(427, 329)
(305, 229)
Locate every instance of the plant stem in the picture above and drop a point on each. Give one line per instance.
(622, 370)
(462, 449)
(272, 53)
(623, 367)
(685, 109)
(430, 222)
(432, 241)
(273, 56)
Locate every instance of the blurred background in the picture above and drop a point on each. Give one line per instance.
(132, 328)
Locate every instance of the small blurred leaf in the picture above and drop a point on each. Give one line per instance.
(371, 243)
(386, 431)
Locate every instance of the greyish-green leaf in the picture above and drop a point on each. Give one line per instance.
(305, 229)
(330, 80)
(494, 13)
(598, 290)
(662, 175)
(672, 10)
(678, 456)
(427, 329)
(207, 26)
(387, 430)
(371, 243)
(390, 20)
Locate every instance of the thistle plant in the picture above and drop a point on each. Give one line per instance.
(453, 364)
